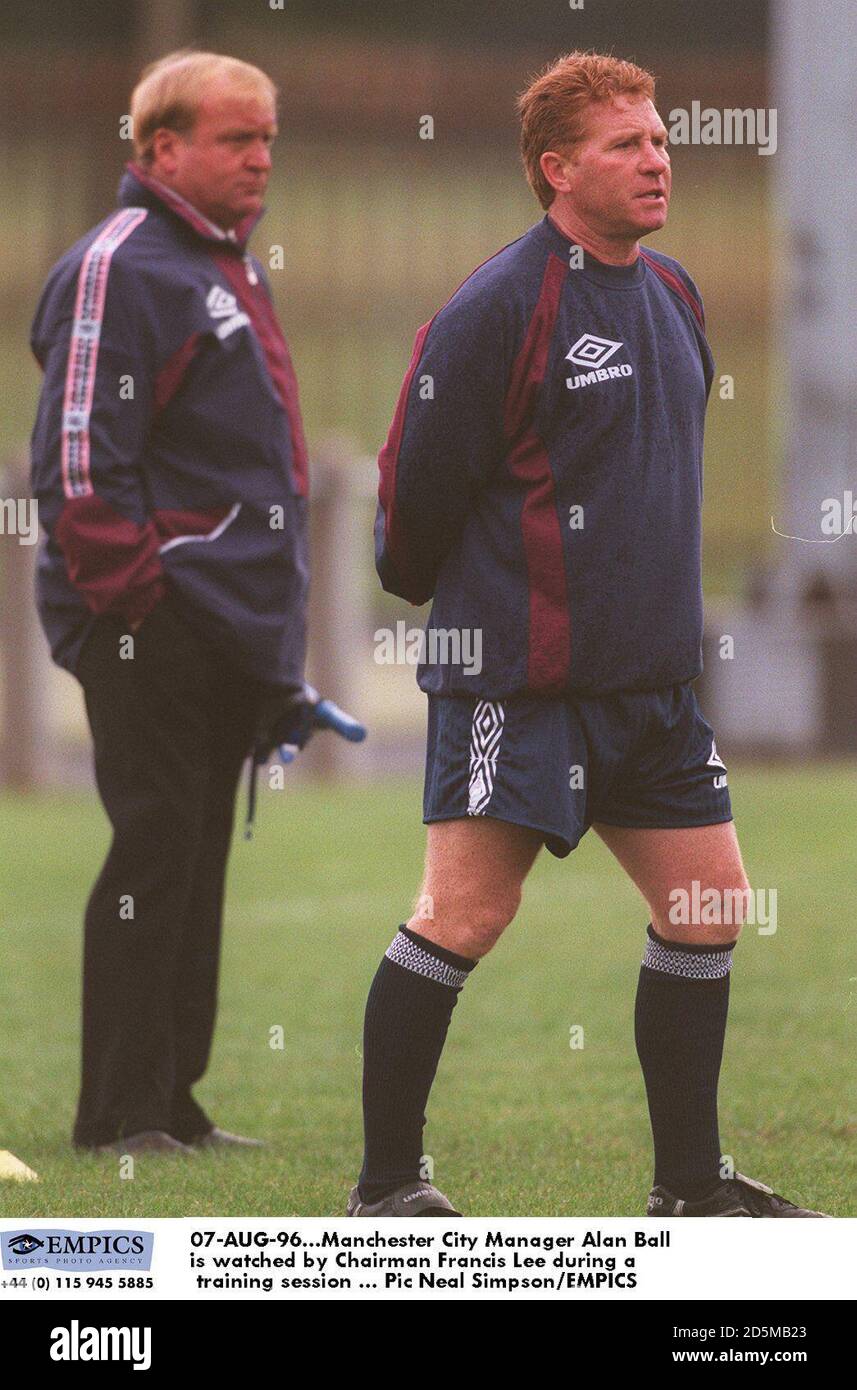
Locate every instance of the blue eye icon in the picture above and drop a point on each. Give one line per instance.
(25, 1244)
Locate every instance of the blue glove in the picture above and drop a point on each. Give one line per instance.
(324, 714)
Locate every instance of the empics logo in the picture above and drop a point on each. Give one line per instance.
(66, 1250)
(592, 351)
(76, 1343)
(24, 1244)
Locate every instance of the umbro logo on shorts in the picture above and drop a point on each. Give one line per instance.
(486, 731)
(715, 760)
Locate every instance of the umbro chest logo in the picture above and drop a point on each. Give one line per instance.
(593, 352)
(222, 305)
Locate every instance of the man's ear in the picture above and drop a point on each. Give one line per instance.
(553, 166)
(165, 143)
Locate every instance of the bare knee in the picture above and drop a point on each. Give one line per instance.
(737, 907)
(708, 915)
(475, 868)
(466, 923)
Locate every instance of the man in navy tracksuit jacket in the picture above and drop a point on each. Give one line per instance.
(170, 467)
(542, 484)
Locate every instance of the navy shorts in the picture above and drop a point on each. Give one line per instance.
(642, 759)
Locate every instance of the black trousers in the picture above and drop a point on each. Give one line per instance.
(171, 729)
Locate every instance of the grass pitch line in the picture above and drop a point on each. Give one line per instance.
(13, 1170)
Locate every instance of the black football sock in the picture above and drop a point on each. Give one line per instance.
(407, 1017)
(679, 1026)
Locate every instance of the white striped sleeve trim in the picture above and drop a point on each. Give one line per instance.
(83, 349)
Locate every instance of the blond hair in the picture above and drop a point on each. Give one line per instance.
(553, 107)
(170, 91)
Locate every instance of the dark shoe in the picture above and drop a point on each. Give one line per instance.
(148, 1141)
(414, 1199)
(738, 1196)
(222, 1139)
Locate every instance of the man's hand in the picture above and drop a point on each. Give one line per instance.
(286, 716)
(289, 716)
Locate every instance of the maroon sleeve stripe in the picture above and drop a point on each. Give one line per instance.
(677, 286)
(174, 524)
(172, 374)
(254, 299)
(549, 638)
(388, 460)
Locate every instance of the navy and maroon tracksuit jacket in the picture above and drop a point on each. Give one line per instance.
(542, 478)
(168, 452)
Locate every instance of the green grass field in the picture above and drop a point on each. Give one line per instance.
(520, 1124)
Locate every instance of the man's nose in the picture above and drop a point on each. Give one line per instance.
(260, 156)
(655, 160)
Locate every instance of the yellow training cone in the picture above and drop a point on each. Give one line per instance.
(12, 1169)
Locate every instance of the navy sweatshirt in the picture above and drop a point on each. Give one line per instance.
(542, 478)
(168, 454)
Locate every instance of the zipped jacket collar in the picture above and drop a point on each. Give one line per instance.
(139, 188)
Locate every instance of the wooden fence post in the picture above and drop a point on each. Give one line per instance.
(337, 621)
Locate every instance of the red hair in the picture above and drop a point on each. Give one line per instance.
(553, 106)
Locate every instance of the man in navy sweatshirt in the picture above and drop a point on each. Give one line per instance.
(169, 462)
(542, 484)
